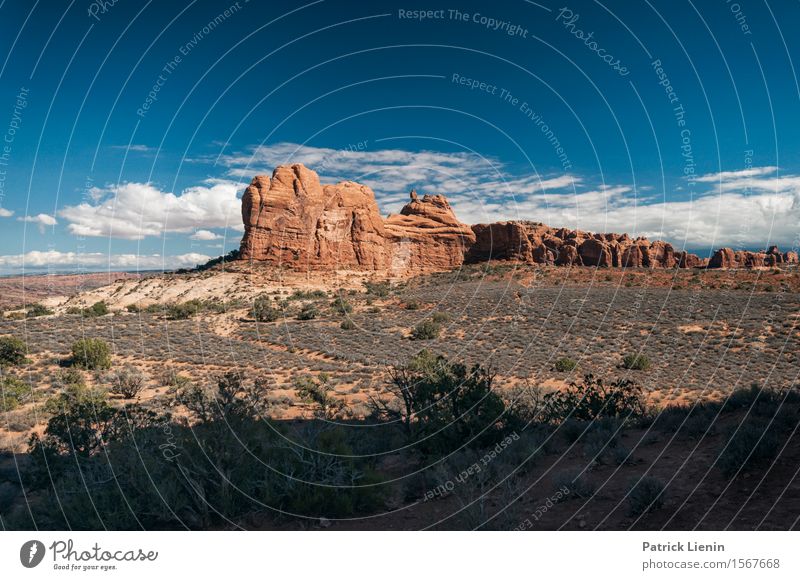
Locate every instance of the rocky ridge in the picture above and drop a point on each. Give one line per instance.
(294, 221)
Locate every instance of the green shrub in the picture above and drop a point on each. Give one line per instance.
(636, 362)
(645, 495)
(263, 311)
(594, 399)
(184, 310)
(564, 365)
(34, 310)
(96, 309)
(308, 312)
(91, 354)
(12, 392)
(426, 330)
(347, 324)
(12, 351)
(134, 308)
(72, 393)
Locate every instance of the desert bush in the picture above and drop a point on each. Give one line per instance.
(523, 406)
(743, 397)
(69, 376)
(573, 429)
(645, 495)
(308, 295)
(172, 379)
(379, 289)
(35, 310)
(411, 305)
(636, 362)
(127, 381)
(593, 399)
(347, 324)
(91, 354)
(341, 306)
(426, 330)
(21, 420)
(12, 351)
(134, 308)
(263, 311)
(576, 481)
(308, 312)
(565, 365)
(318, 393)
(96, 309)
(599, 443)
(183, 310)
(751, 446)
(440, 317)
(12, 393)
(71, 393)
(444, 405)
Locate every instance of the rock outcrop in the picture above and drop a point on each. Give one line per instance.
(727, 258)
(536, 243)
(294, 221)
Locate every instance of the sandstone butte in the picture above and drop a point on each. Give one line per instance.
(294, 221)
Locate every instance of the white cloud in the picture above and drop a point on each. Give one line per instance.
(392, 173)
(137, 210)
(734, 175)
(205, 236)
(5, 213)
(42, 220)
(135, 148)
(37, 260)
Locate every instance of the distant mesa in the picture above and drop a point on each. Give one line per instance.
(294, 221)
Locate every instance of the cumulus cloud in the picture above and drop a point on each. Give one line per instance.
(136, 210)
(205, 236)
(38, 260)
(5, 213)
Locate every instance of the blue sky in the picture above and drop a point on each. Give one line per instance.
(130, 129)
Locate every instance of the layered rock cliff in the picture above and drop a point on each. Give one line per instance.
(293, 221)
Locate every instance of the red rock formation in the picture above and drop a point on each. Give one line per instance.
(426, 235)
(294, 221)
(723, 258)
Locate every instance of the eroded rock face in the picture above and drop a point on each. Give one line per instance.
(293, 221)
(426, 236)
